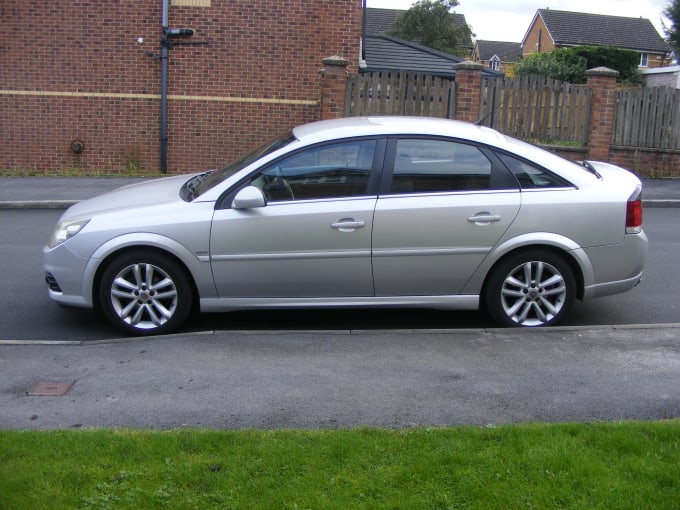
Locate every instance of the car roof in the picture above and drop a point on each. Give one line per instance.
(367, 126)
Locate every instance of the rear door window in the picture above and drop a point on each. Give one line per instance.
(424, 165)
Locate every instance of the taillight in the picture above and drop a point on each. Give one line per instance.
(634, 214)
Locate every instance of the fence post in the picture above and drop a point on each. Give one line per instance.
(333, 83)
(602, 82)
(468, 90)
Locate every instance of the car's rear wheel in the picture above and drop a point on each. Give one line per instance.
(145, 293)
(533, 288)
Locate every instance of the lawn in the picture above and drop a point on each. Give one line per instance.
(599, 465)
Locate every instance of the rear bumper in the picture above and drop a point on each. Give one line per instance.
(609, 288)
(617, 268)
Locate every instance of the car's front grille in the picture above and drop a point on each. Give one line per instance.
(52, 282)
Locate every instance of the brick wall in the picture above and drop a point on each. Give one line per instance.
(647, 162)
(537, 39)
(73, 70)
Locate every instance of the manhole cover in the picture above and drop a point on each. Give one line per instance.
(51, 388)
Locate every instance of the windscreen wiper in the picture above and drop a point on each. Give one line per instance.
(191, 186)
(591, 169)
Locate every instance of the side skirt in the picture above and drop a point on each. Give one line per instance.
(467, 302)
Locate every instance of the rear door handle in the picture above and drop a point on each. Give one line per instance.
(348, 224)
(484, 218)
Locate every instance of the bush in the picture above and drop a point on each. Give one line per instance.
(559, 64)
(571, 64)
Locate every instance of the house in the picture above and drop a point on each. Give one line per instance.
(388, 53)
(552, 29)
(498, 55)
(82, 88)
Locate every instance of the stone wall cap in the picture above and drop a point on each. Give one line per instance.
(602, 71)
(335, 60)
(470, 65)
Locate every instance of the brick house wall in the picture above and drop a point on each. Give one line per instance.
(73, 70)
(537, 39)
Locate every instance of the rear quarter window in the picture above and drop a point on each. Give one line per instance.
(531, 176)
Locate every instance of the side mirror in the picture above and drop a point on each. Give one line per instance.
(249, 197)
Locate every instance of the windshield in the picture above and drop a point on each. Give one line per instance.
(201, 183)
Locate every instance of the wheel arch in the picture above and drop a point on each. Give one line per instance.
(191, 265)
(566, 248)
(566, 255)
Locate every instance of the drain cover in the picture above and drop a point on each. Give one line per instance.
(51, 389)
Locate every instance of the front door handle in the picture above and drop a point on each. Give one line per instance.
(484, 218)
(348, 224)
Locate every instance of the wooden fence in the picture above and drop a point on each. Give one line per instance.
(531, 108)
(399, 93)
(536, 109)
(647, 118)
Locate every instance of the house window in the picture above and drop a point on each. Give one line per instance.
(495, 63)
(644, 57)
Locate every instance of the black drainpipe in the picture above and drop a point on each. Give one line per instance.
(164, 89)
(363, 31)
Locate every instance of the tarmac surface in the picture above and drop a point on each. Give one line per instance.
(191, 380)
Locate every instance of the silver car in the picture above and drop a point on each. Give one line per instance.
(357, 212)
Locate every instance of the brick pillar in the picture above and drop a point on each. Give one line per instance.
(468, 90)
(602, 82)
(333, 84)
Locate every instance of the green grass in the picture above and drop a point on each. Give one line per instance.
(601, 465)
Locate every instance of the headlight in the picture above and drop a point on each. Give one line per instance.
(65, 231)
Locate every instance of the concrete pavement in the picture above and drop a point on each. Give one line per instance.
(344, 379)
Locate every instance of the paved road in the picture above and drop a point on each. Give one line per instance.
(26, 313)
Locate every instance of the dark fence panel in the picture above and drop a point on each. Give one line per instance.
(399, 93)
(647, 118)
(537, 109)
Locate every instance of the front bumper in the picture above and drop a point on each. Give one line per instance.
(64, 272)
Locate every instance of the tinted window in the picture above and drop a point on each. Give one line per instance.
(531, 176)
(423, 165)
(328, 171)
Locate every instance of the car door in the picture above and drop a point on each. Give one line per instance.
(442, 208)
(313, 236)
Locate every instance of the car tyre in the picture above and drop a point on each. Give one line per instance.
(145, 293)
(532, 288)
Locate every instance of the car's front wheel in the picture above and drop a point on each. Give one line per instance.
(145, 293)
(533, 288)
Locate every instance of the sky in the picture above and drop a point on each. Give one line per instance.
(499, 20)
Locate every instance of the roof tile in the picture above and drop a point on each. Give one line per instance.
(577, 28)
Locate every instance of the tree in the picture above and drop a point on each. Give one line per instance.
(570, 64)
(430, 23)
(672, 12)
